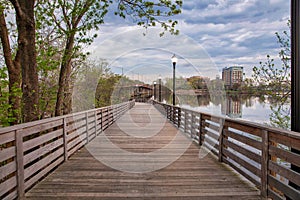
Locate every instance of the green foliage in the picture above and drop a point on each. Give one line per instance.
(87, 78)
(4, 5)
(58, 22)
(216, 85)
(4, 95)
(49, 50)
(73, 19)
(248, 86)
(105, 89)
(276, 78)
(151, 13)
(276, 81)
(6, 112)
(125, 90)
(280, 116)
(197, 82)
(180, 84)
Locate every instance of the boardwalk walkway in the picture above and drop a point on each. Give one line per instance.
(142, 159)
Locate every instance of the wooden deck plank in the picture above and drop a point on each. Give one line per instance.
(84, 177)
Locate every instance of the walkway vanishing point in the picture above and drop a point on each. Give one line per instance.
(136, 151)
(188, 177)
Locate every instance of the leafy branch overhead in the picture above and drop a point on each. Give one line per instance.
(276, 80)
(275, 76)
(149, 13)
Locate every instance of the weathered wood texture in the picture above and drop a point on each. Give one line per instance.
(143, 175)
(28, 152)
(260, 153)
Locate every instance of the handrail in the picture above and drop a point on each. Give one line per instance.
(260, 153)
(29, 151)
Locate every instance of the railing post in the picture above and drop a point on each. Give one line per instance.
(221, 133)
(173, 114)
(200, 129)
(264, 164)
(178, 117)
(185, 121)
(101, 120)
(110, 116)
(221, 138)
(65, 139)
(167, 111)
(95, 116)
(170, 113)
(87, 127)
(192, 123)
(20, 163)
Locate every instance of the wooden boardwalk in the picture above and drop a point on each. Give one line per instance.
(142, 156)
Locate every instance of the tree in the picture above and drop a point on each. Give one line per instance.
(248, 86)
(216, 85)
(22, 68)
(71, 23)
(49, 50)
(197, 82)
(105, 89)
(277, 81)
(79, 17)
(85, 87)
(6, 117)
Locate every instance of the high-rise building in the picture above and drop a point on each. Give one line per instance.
(232, 76)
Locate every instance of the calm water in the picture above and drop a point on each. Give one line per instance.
(255, 109)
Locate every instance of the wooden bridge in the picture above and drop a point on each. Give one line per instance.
(132, 150)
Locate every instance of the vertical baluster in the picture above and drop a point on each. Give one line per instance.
(221, 136)
(264, 164)
(20, 163)
(200, 130)
(65, 139)
(87, 127)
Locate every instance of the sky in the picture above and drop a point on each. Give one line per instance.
(213, 34)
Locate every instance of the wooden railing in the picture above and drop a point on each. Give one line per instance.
(28, 152)
(261, 154)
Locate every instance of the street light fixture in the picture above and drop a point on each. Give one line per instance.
(159, 88)
(154, 92)
(174, 61)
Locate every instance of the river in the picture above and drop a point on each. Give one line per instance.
(250, 108)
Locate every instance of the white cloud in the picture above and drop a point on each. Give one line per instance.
(230, 31)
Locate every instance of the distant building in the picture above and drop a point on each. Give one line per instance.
(232, 76)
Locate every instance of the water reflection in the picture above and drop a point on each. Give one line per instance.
(232, 107)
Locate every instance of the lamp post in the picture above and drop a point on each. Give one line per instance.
(174, 61)
(295, 76)
(295, 64)
(159, 88)
(154, 93)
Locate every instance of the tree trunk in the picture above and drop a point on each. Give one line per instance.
(14, 72)
(26, 50)
(64, 78)
(68, 98)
